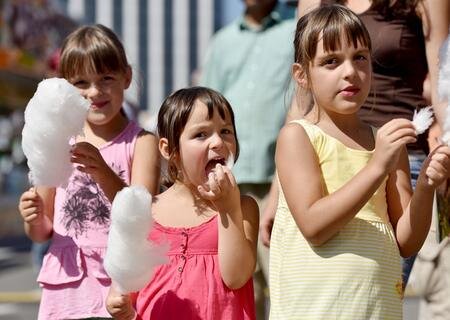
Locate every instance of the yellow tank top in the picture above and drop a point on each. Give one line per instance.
(354, 275)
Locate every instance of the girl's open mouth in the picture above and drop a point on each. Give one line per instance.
(211, 165)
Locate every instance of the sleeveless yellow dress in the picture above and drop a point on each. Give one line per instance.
(357, 273)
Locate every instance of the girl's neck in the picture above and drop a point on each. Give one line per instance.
(181, 206)
(347, 128)
(99, 134)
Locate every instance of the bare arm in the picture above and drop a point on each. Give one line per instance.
(318, 216)
(238, 234)
(89, 160)
(268, 215)
(144, 170)
(410, 213)
(238, 227)
(146, 163)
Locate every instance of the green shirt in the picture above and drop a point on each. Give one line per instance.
(252, 69)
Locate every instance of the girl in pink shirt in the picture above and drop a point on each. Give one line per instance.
(112, 153)
(211, 228)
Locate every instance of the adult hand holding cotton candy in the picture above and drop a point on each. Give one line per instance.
(130, 256)
(54, 115)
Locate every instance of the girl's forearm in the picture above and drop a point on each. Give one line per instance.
(110, 183)
(237, 258)
(327, 216)
(39, 232)
(413, 226)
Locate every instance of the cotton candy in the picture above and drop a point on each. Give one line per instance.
(423, 119)
(229, 163)
(130, 256)
(54, 115)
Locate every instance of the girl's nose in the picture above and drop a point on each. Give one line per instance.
(349, 69)
(92, 91)
(216, 141)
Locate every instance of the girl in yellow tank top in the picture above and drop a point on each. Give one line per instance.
(346, 211)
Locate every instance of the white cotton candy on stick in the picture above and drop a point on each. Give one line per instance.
(423, 119)
(54, 115)
(130, 256)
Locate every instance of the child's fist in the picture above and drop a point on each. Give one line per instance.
(437, 166)
(120, 305)
(31, 207)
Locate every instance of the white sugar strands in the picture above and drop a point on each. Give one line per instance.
(130, 256)
(423, 119)
(55, 114)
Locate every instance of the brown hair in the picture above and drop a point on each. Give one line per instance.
(92, 49)
(329, 23)
(175, 112)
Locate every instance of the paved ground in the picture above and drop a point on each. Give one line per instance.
(19, 293)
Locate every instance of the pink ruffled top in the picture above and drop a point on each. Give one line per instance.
(190, 285)
(74, 282)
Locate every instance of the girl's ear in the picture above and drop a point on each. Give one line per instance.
(164, 148)
(128, 77)
(299, 75)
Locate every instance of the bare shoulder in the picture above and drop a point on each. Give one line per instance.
(147, 146)
(292, 134)
(146, 138)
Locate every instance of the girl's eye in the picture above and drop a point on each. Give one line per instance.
(330, 61)
(200, 135)
(80, 84)
(360, 57)
(227, 131)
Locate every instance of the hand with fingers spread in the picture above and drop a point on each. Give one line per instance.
(31, 207)
(390, 140)
(221, 189)
(89, 160)
(436, 168)
(120, 306)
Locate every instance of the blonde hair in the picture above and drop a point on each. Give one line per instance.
(92, 49)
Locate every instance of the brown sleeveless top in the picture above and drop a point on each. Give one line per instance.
(399, 69)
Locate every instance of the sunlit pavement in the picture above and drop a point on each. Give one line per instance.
(19, 293)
